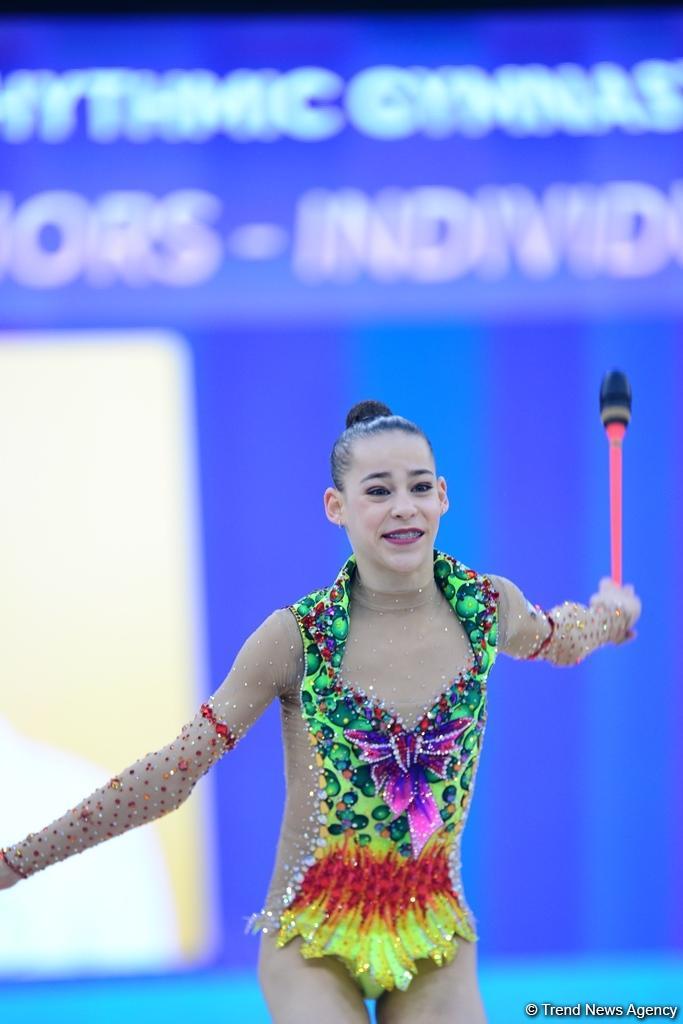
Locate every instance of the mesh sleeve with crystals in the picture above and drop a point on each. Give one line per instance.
(160, 782)
(563, 635)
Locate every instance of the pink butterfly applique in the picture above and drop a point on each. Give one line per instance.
(399, 759)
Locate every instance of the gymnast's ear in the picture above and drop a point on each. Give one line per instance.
(333, 504)
(441, 488)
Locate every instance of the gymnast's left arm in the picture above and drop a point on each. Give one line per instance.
(267, 665)
(568, 632)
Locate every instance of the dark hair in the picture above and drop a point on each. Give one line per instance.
(362, 420)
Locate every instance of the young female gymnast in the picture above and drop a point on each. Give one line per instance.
(382, 682)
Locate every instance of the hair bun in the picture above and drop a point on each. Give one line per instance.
(366, 410)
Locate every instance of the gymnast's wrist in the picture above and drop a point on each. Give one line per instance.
(618, 624)
(9, 873)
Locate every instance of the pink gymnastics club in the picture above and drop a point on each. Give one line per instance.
(615, 412)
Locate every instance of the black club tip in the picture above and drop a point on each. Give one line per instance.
(615, 398)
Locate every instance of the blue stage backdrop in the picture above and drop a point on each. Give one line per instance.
(471, 219)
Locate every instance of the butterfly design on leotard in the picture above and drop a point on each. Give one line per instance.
(399, 759)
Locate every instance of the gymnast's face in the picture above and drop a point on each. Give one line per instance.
(390, 485)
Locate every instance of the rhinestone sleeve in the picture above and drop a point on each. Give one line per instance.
(160, 782)
(563, 635)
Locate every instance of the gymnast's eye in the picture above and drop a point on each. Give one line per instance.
(374, 490)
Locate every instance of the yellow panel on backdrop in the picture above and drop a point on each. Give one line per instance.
(103, 655)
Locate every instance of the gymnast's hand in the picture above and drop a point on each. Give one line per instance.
(613, 596)
(8, 878)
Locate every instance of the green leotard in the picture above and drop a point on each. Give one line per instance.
(384, 888)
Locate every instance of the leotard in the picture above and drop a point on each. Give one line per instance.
(383, 701)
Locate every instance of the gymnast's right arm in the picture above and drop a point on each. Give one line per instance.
(568, 632)
(160, 782)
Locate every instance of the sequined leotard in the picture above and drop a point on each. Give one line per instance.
(384, 700)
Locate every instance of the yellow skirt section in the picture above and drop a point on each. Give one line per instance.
(378, 914)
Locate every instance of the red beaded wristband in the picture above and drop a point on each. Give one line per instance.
(221, 728)
(3, 856)
(547, 639)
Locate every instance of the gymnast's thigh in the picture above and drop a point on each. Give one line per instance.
(300, 991)
(449, 993)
